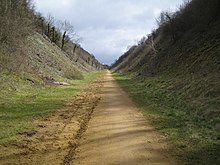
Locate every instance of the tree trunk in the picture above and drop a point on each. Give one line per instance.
(48, 30)
(53, 35)
(63, 40)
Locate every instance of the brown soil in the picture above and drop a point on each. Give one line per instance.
(85, 132)
(118, 133)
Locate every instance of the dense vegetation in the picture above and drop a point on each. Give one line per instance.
(175, 78)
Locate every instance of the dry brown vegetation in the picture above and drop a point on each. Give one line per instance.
(16, 23)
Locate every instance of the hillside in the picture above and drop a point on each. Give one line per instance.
(36, 52)
(188, 38)
(48, 60)
(42, 62)
(176, 70)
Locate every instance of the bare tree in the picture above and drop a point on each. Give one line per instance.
(79, 52)
(50, 24)
(161, 20)
(142, 40)
(168, 23)
(151, 44)
(67, 30)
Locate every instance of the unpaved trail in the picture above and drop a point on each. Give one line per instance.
(118, 134)
(98, 126)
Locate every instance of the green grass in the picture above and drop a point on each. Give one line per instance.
(179, 109)
(25, 102)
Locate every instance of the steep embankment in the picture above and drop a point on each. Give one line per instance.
(49, 61)
(176, 79)
(197, 51)
(191, 60)
(186, 42)
(33, 50)
(78, 55)
(40, 62)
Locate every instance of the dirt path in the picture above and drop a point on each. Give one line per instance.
(118, 134)
(99, 126)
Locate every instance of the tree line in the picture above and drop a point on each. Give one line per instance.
(59, 32)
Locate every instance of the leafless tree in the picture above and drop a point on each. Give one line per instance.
(142, 40)
(50, 25)
(67, 32)
(151, 44)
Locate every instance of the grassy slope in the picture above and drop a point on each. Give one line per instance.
(186, 122)
(26, 102)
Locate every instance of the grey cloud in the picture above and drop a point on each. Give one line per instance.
(108, 26)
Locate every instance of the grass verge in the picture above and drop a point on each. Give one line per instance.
(27, 102)
(180, 110)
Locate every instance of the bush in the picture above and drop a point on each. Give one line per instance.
(74, 75)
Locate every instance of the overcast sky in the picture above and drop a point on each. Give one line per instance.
(108, 27)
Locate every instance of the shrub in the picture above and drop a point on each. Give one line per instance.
(74, 75)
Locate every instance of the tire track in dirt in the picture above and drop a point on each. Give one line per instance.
(54, 137)
(83, 126)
